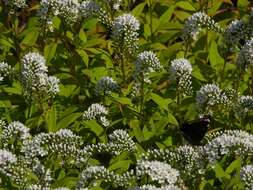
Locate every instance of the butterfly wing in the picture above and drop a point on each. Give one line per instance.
(194, 132)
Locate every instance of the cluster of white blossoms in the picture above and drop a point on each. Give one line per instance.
(208, 95)
(247, 176)
(184, 158)
(64, 143)
(244, 105)
(40, 187)
(101, 173)
(90, 8)
(5, 71)
(153, 187)
(97, 111)
(196, 22)
(15, 131)
(234, 32)
(245, 56)
(125, 33)
(159, 172)
(120, 141)
(105, 86)
(34, 77)
(146, 63)
(16, 3)
(66, 9)
(230, 142)
(211, 98)
(181, 70)
(13, 168)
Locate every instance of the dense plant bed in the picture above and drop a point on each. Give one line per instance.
(126, 95)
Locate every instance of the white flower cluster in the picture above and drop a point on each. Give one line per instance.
(208, 95)
(184, 158)
(105, 86)
(244, 105)
(113, 4)
(66, 9)
(13, 168)
(16, 3)
(100, 172)
(152, 187)
(230, 142)
(234, 32)
(90, 8)
(99, 112)
(211, 98)
(194, 24)
(34, 77)
(14, 131)
(146, 63)
(6, 158)
(40, 187)
(247, 176)
(5, 71)
(245, 56)
(159, 172)
(120, 141)
(62, 143)
(125, 33)
(181, 70)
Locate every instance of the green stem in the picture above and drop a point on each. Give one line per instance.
(150, 18)
(15, 31)
(223, 70)
(142, 114)
(122, 64)
(186, 49)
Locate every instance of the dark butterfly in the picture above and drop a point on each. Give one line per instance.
(195, 131)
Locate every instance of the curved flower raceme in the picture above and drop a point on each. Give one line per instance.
(35, 79)
(97, 111)
(105, 86)
(125, 33)
(146, 63)
(181, 70)
(197, 21)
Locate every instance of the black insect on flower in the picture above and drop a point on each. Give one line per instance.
(195, 131)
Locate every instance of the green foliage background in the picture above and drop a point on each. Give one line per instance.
(81, 54)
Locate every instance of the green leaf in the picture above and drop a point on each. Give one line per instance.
(82, 36)
(162, 102)
(31, 36)
(49, 51)
(5, 104)
(215, 59)
(66, 182)
(67, 90)
(94, 127)
(123, 100)
(84, 56)
(66, 121)
(166, 16)
(135, 126)
(138, 9)
(172, 119)
(6, 43)
(122, 165)
(185, 5)
(235, 165)
(220, 173)
(52, 117)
